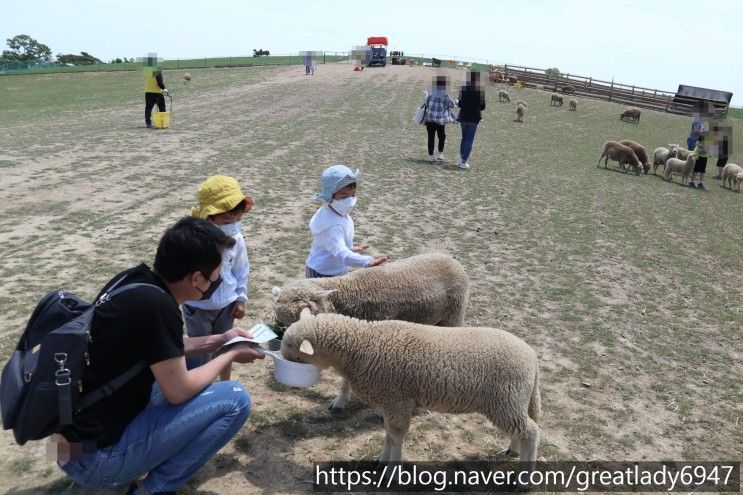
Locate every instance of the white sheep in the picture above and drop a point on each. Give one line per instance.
(734, 175)
(556, 99)
(619, 153)
(520, 111)
(631, 114)
(661, 154)
(681, 167)
(682, 153)
(503, 96)
(521, 102)
(640, 152)
(430, 288)
(398, 366)
(573, 104)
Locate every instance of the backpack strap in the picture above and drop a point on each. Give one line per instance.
(64, 387)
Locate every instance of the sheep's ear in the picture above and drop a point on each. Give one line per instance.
(276, 291)
(323, 294)
(305, 313)
(306, 347)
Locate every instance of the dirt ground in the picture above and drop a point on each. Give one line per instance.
(631, 369)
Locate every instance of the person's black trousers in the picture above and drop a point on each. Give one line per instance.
(150, 99)
(434, 129)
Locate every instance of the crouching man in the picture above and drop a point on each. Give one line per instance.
(167, 421)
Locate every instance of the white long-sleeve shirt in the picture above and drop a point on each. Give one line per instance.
(332, 240)
(235, 273)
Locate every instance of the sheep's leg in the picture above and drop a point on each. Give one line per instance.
(344, 395)
(396, 424)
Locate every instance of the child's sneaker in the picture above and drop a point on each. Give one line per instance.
(464, 166)
(691, 184)
(430, 159)
(701, 186)
(440, 157)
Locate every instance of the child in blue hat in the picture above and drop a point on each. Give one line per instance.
(332, 228)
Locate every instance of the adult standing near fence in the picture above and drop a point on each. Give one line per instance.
(471, 104)
(154, 90)
(438, 114)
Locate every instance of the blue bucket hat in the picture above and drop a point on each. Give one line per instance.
(334, 178)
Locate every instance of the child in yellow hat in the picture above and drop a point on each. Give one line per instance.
(222, 202)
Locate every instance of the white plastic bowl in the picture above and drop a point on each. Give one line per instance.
(293, 374)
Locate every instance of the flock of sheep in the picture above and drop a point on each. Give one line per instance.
(675, 160)
(395, 335)
(556, 100)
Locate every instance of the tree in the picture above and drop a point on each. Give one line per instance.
(83, 59)
(553, 73)
(24, 48)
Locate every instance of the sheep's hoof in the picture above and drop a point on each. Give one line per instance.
(507, 454)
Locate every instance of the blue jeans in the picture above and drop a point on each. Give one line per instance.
(690, 143)
(168, 442)
(468, 137)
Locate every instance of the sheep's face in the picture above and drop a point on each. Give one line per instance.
(646, 167)
(672, 149)
(289, 303)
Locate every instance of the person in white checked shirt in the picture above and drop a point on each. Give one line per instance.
(332, 228)
(222, 202)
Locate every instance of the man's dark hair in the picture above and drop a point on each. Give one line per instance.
(473, 78)
(441, 81)
(191, 245)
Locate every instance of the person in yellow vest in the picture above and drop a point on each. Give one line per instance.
(154, 89)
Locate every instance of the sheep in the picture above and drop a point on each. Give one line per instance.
(398, 366)
(681, 167)
(734, 174)
(568, 89)
(521, 102)
(573, 104)
(556, 99)
(620, 153)
(520, 110)
(430, 288)
(640, 152)
(661, 154)
(682, 153)
(503, 96)
(631, 114)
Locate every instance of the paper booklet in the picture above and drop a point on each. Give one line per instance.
(261, 333)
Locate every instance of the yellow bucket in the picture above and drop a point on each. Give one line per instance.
(161, 120)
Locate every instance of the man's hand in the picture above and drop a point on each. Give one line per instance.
(238, 310)
(360, 247)
(235, 332)
(165, 91)
(378, 261)
(245, 353)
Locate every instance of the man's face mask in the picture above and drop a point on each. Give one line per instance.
(213, 286)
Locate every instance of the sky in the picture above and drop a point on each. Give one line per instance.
(651, 43)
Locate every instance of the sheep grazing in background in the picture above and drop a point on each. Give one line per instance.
(681, 167)
(573, 104)
(619, 153)
(556, 99)
(631, 115)
(186, 78)
(661, 154)
(640, 152)
(521, 102)
(734, 174)
(399, 366)
(430, 288)
(569, 89)
(520, 111)
(503, 96)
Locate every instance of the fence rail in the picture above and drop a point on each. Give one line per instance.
(588, 87)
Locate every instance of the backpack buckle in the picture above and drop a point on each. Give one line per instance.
(62, 377)
(103, 299)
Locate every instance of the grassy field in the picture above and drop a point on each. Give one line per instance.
(628, 287)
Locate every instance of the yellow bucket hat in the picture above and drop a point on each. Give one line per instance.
(219, 194)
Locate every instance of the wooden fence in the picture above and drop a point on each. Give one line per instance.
(588, 87)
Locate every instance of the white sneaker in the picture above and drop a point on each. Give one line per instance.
(440, 157)
(464, 166)
(430, 158)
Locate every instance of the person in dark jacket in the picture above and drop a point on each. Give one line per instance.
(471, 104)
(154, 89)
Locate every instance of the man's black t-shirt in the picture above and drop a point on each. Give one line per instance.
(141, 323)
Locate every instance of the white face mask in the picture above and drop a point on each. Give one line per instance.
(231, 229)
(344, 206)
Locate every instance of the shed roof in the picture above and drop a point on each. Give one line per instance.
(694, 92)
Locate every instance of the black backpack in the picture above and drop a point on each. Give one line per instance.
(40, 386)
